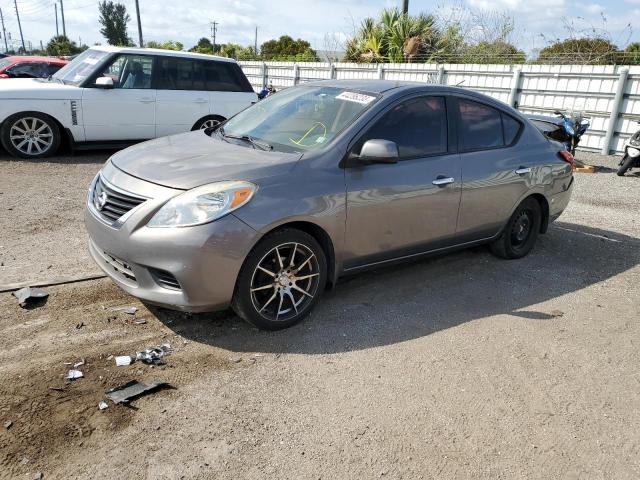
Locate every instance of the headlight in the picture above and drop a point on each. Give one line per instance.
(203, 204)
(633, 152)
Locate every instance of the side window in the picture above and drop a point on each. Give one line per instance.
(130, 71)
(28, 70)
(418, 126)
(480, 126)
(222, 77)
(53, 68)
(511, 128)
(179, 74)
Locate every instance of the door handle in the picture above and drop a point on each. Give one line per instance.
(201, 100)
(441, 181)
(523, 170)
(147, 100)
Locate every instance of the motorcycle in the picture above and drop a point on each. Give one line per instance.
(574, 127)
(265, 92)
(631, 157)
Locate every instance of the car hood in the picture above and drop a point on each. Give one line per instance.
(36, 88)
(188, 160)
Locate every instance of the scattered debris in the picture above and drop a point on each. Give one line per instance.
(28, 295)
(142, 321)
(74, 374)
(103, 405)
(78, 364)
(38, 476)
(557, 313)
(80, 325)
(57, 389)
(235, 359)
(132, 390)
(8, 424)
(154, 355)
(123, 360)
(130, 310)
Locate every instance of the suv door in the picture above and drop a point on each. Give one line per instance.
(182, 98)
(229, 89)
(490, 164)
(396, 210)
(126, 111)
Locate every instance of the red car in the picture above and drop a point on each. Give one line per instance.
(30, 67)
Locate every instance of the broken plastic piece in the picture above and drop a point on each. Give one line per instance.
(154, 354)
(131, 390)
(142, 321)
(28, 295)
(74, 374)
(103, 405)
(78, 364)
(123, 360)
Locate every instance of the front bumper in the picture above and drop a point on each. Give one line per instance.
(190, 269)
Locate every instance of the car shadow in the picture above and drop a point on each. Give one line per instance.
(67, 157)
(401, 303)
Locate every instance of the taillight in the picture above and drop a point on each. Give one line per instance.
(567, 157)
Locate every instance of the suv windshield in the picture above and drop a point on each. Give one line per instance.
(299, 118)
(80, 67)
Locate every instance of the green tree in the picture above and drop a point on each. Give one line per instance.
(631, 55)
(114, 19)
(204, 45)
(580, 51)
(492, 52)
(170, 45)
(61, 46)
(288, 49)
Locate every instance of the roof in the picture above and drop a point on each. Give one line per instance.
(381, 86)
(159, 51)
(26, 59)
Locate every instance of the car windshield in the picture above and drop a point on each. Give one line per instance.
(80, 67)
(299, 118)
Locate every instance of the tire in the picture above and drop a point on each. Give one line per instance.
(208, 122)
(30, 135)
(519, 235)
(626, 163)
(271, 303)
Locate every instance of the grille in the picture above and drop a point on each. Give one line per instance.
(119, 266)
(113, 204)
(165, 279)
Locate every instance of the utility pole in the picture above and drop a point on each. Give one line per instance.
(139, 25)
(405, 6)
(214, 29)
(255, 43)
(64, 26)
(24, 49)
(57, 31)
(4, 33)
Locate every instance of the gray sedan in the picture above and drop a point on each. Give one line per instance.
(319, 180)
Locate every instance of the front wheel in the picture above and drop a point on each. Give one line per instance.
(30, 135)
(281, 280)
(625, 164)
(520, 234)
(208, 122)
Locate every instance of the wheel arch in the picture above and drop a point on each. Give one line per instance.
(66, 137)
(211, 116)
(544, 207)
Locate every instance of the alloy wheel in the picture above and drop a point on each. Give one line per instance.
(31, 136)
(210, 123)
(285, 281)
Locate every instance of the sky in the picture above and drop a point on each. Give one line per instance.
(314, 20)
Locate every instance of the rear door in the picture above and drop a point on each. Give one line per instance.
(495, 172)
(126, 111)
(182, 97)
(229, 89)
(396, 210)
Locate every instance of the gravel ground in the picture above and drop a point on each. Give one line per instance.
(460, 366)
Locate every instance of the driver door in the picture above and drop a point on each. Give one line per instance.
(128, 110)
(396, 210)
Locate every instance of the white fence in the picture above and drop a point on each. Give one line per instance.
(609, 95)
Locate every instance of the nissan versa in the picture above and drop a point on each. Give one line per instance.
(317, 181)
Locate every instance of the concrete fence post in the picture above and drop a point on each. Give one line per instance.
(515, 88)
(380, 71)
(615, 111)
(296, 74)
(265, 76)
(440, 78)
(332, 71)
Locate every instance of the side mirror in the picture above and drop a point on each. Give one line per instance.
(377, 151)
(104, 82)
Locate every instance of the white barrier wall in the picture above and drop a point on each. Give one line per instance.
(597, 90)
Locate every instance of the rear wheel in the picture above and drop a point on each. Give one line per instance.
(625, 164)
(520, 234)
(208, 122)
(281, 280)
(30, 135)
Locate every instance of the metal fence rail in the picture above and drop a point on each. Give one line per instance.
(608, 94)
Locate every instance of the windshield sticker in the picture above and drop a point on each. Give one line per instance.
(91, 61)
(320, 139)
(356, 97)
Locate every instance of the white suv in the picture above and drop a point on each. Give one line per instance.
(111, 96)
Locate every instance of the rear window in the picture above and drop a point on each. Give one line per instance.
(484, 127)
(189, 74)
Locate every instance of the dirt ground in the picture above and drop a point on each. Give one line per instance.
(457, 367)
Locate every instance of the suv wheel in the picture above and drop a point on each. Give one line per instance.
(30, 135)
(208, 122)
(520, 234)
(281, 280)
